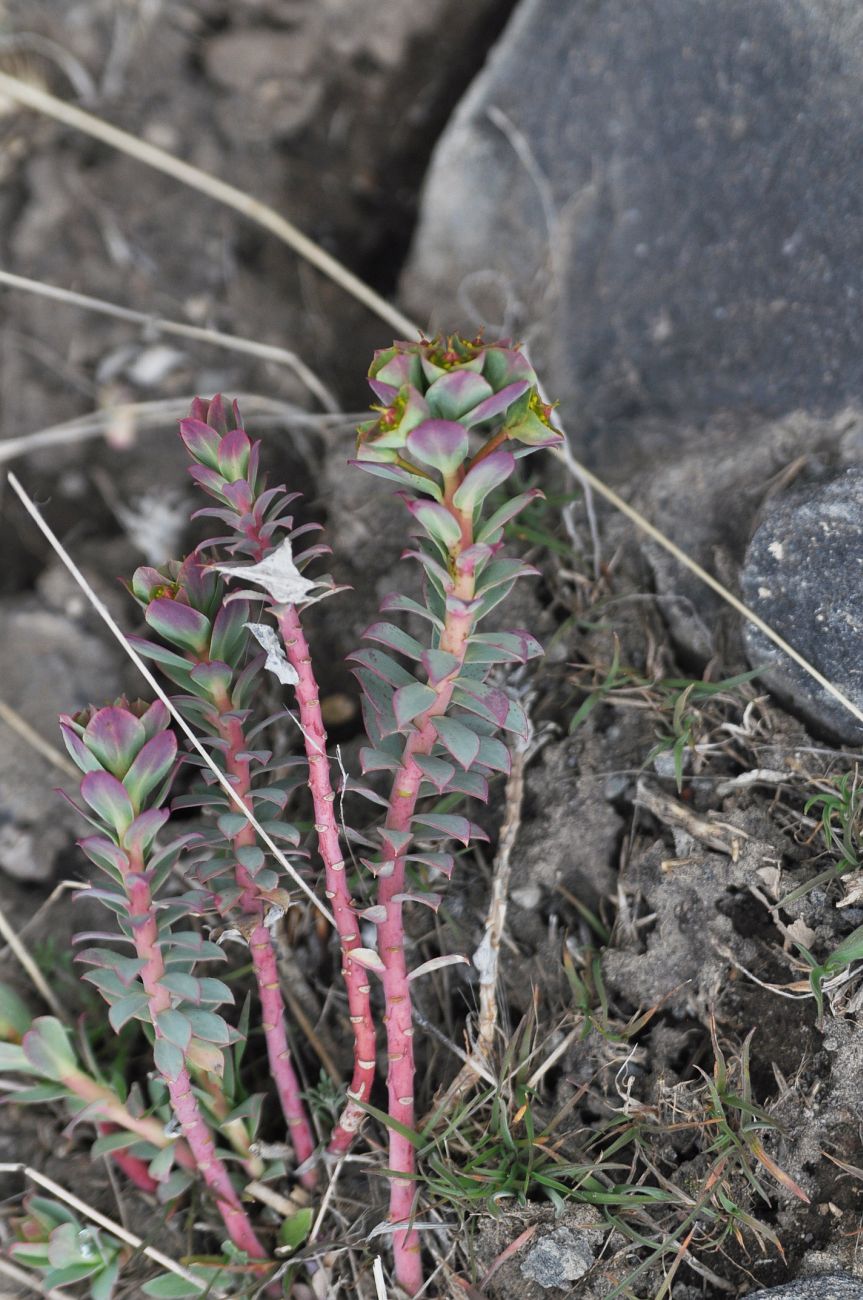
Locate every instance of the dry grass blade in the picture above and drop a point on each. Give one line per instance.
(22, 728)
(487, 954)
(117, 632)
(153, 414)
(29, 1281)
(102, 1219)
(380, 1281)
(28, 965)
(40, 100)
(158, 325)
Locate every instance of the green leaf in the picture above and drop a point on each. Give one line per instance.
(296, 1229)
(173, 665)
(231, 823)
(150, 767)
(410, 701)
(135, 1006)
(109, 1142)
(493, 753)
(486, 475)
(102, 1287)
(382, 666)
(446, 824)
(506, 512)
(168, 1059)
(215, 991)
(458, 739)
(502, 647)
(252, 858)
(439, 664)
(186, 944)
(174, 1026)
(41, 1093)
(169, 1286)
(435, 770)
(415, 1139)
(12, 1058)
(108, 798)
(34, 1254)
(72, 1273)
(114, 735)
(161, 1164)
(106, 855)
(15, 1016)
(179, 625)
(394, 639)
(208, 1026)
(440, 523)
(48, 1049)
(401, 476)
(850, 949)
(125, 967)
(185, 986)
(405, 605)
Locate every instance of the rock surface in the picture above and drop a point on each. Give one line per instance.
(48, 664)
(829, 1286)
(803, 574)
(661, 194)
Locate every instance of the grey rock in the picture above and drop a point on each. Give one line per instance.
(559, 1258)
(48, 665)
(707, 500)
(659, 196)
(827, 1286)
(803, 574)
(270, 78)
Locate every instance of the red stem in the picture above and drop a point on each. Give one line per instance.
(133, 1167)
(183, 1100)
(107, 1107)
(335, 875)
(391, 937)
(266, 968)
(336, 885)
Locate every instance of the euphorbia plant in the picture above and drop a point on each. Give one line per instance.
(453, 418)
(128, 754)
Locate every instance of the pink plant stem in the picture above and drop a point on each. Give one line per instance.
(335, 875)
(336, 885)
(110, 1111)
(266, 968)
(183, 1100)
(391, 937)
(133, 1167)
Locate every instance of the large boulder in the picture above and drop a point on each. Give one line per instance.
(661, 197)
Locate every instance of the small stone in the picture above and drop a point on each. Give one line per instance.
(559, 1258)
(802, 576)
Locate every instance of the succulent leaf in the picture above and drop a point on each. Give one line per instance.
(114, 736)
(179, 624)
(410, 701)
(108, 798)
(486, 475)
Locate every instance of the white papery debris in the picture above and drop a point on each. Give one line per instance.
(276, 661)
(279, 577)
